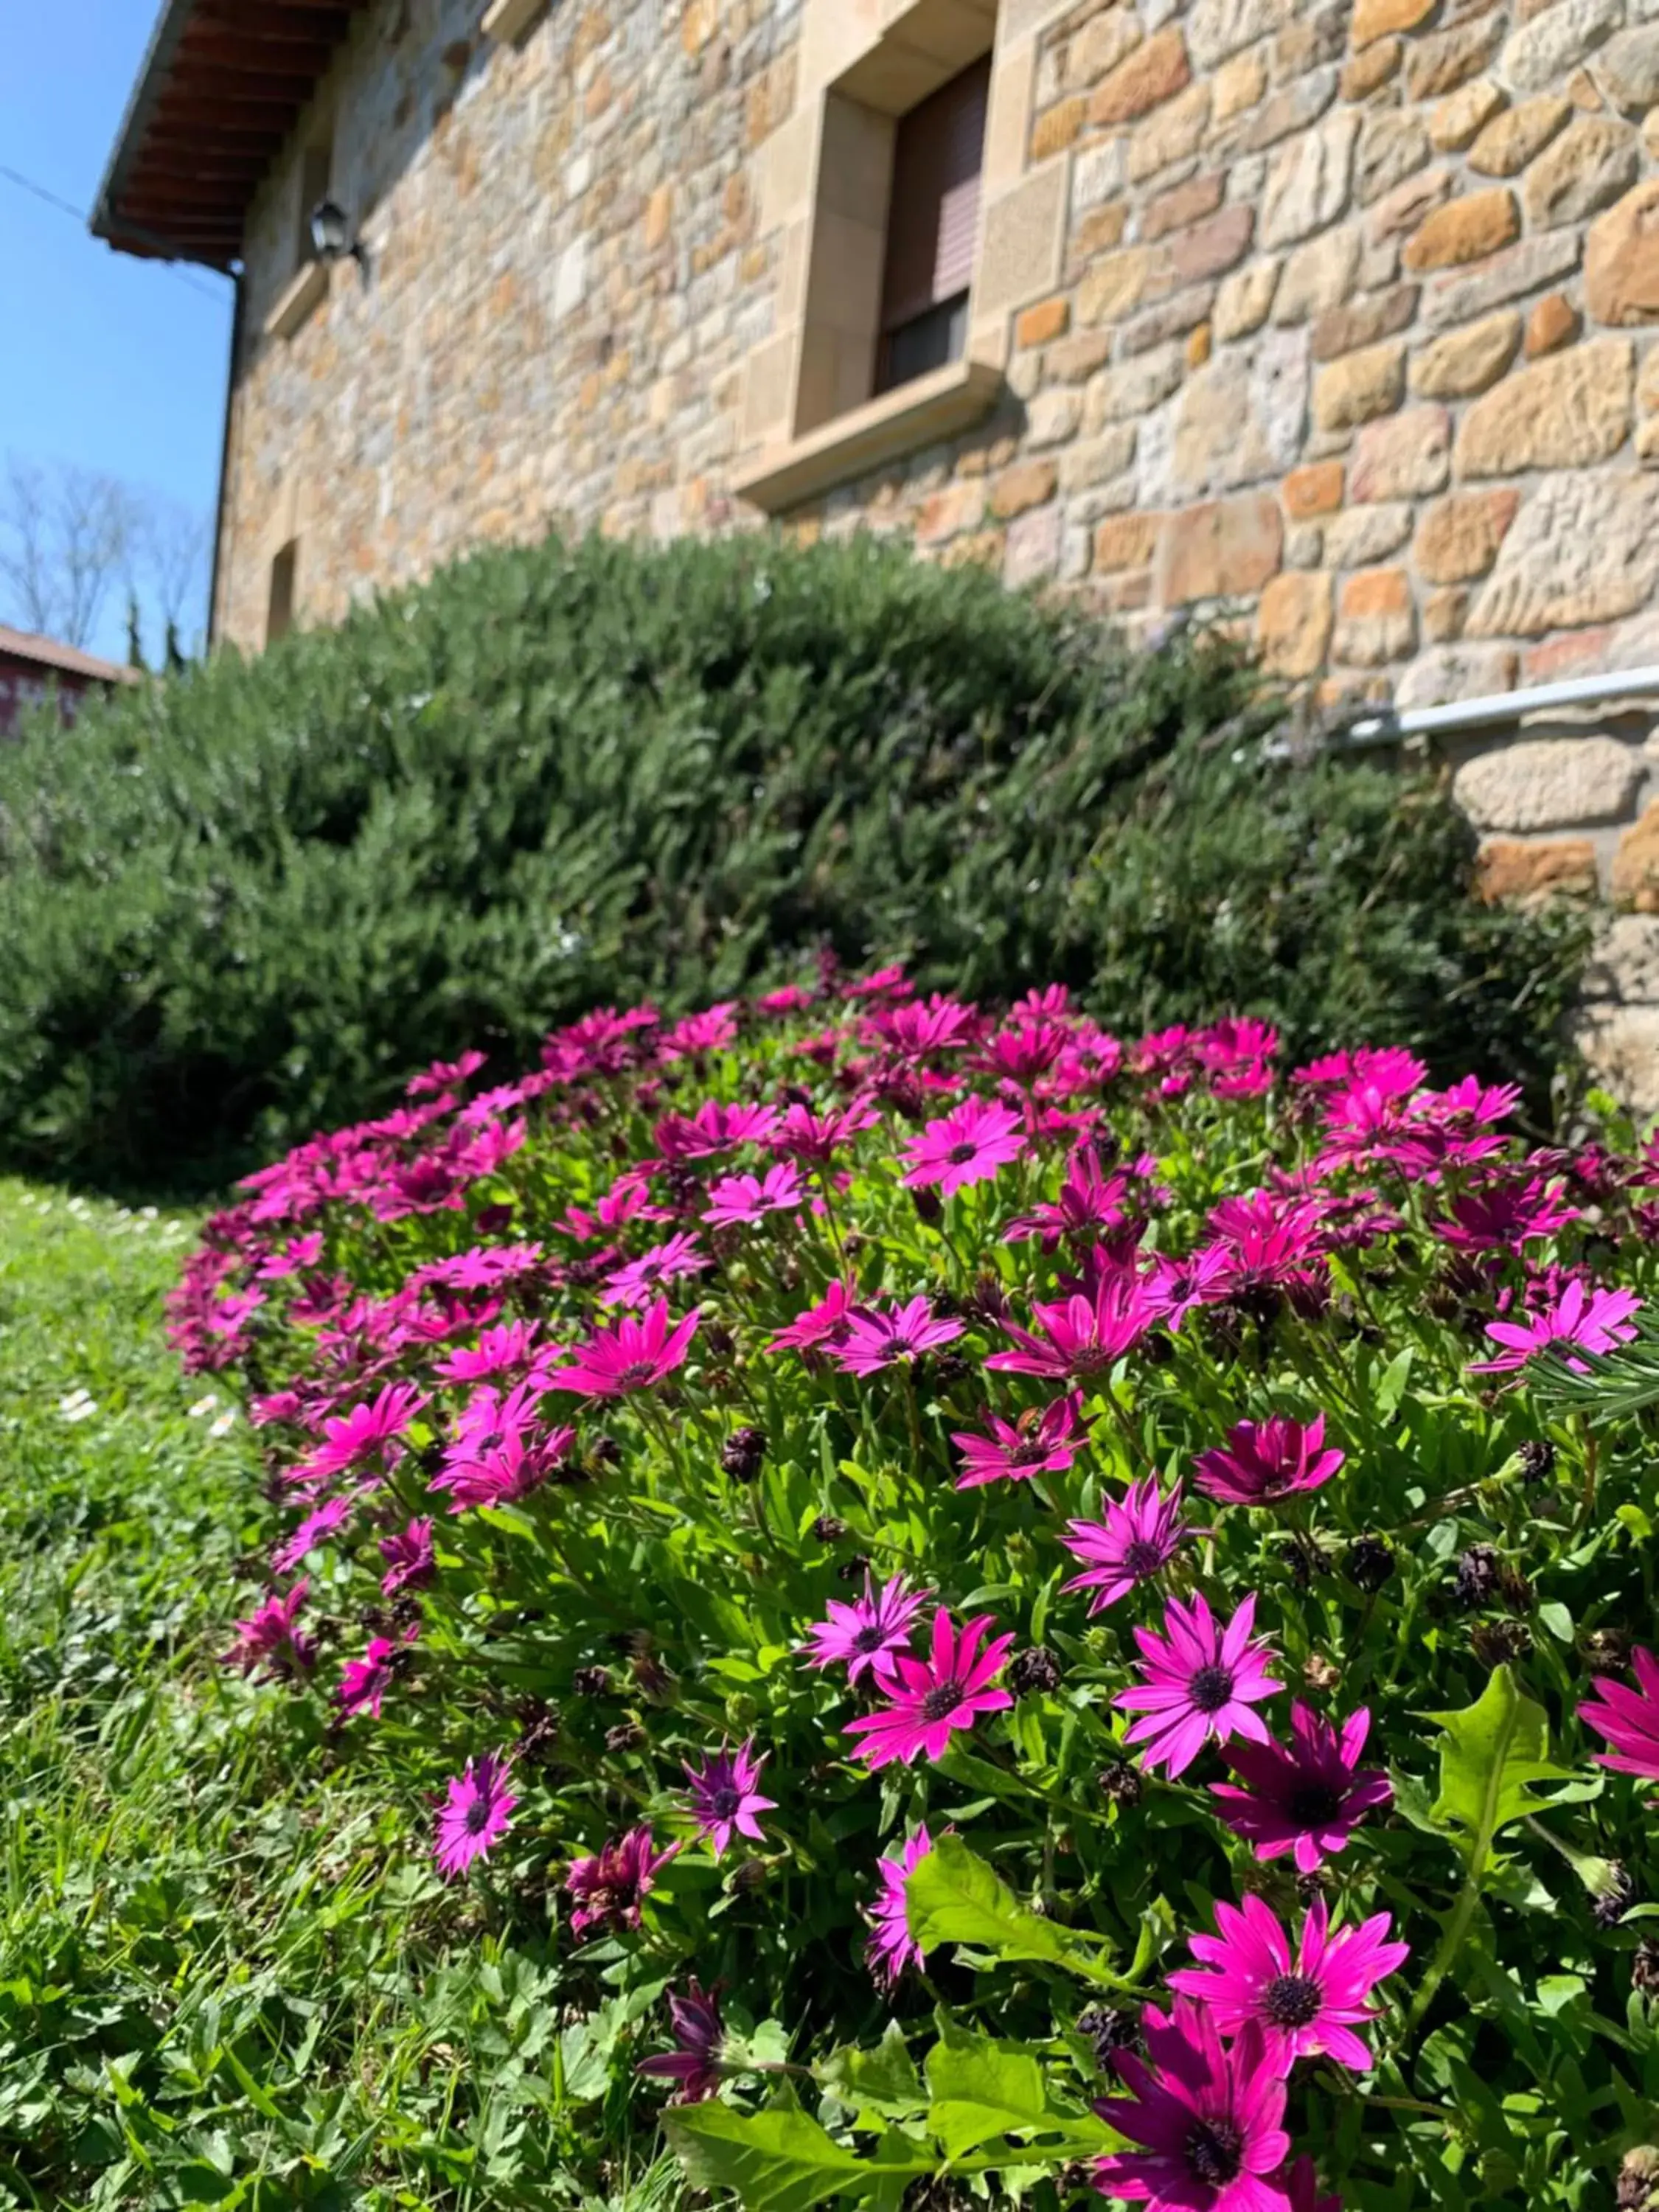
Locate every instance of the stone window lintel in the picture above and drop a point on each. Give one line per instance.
(306, 292)
(506, 22)
(921, 413)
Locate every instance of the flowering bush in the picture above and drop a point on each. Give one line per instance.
(1020, 1611)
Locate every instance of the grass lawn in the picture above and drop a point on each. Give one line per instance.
(228, 1976)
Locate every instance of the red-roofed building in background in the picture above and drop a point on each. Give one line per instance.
(31, 667)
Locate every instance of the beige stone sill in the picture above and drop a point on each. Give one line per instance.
(308, 290)
(917, 414)
(506, 20)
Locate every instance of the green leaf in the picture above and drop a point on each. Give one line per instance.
(776, 2162)
(954, 1897)
(981, 2090)
(1495, 1752)
(883, 2080)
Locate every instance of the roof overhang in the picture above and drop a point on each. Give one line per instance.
(222, 87)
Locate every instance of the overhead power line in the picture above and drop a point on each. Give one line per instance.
(67, 207)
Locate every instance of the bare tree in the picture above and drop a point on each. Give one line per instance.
(65, 538)
(169, 544)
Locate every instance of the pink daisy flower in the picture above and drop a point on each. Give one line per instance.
(635, 1355)
(739, 1200)
(1200, 1684)
(364, 1433)
(1593, 1319)
(1307, 1798)
(1305, 2003)
(271, 1639)
(409, 1557)
(714, 1128)
(725, 1798)
(971, 1144)
(1038, 1443)
(1136, 1537)
(694, 2065)
(933, 1698)
(501, 1351)
(867, 1634)
(817, 1138)
(612, 1883)
(475, 1814)
(1080, 1336)
(638, 1281)
(878, 1337)
(365, 1681)
(821, 1326)
(1628, 1718)
(1210, 2119)
(311, 1532)
(1260, 1464)
(892, 1948)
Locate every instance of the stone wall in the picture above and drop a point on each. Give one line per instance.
(1350, 330)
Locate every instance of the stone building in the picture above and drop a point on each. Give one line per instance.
(1337, 315)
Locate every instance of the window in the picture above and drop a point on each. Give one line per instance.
(316, 164)
(279, 609)
(938, 153)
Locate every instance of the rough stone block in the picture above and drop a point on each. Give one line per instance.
(1552, 324)
(1624, 965)
(1627, 69)
(1620, 1046)
(1293, 624)
(1462, 115)
(1309, 183)
(1457, 672)
(1364, 322)
(1376, 621)
(1466, 229)
(1031, 550)
(1220, 28)
(1593, 160)
(1508, 142)
(1543, 52)
(1155, 72)
(1183, 204)
(1318, 275)
(1635, 864)
(1402, 457)
(1458, 538)
(1469, 360)
(1025, 485)
(1127, 541)
(1220, 550)
(1359, 385)
(1242, 303)
(1509, 276)
(1313, 490)
(1048, 320)
(1441, 63)
(1511, 870)
(1368, 72)
(1621, 260)
(1376, 19)
(1559, 413)
(1549, 783)
(1171, 133)
(1583, 549)
(1365, 535)
(1238, 419)
(1114, 286)
(1104, 41)
(1392, 146)
(1213, 246)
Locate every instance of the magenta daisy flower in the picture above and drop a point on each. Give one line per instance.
(725, 1798)
(322, 1523)
(407, 1557)
(694, 2066)
(475, 1814)
(365, 1433)
(364, 1682)
(1307, 2002)
(1210, 2120)
(634, 1356)
(867, 1634)
(1260, 1464)
(271, 1639)
(1136, 1538)
(892, 1948)
(612, 1883)
(638, 1281)
(971, 1144)
(1309, 1797)
(821, 1326)
(1628, 1718)
(1303, 2182)
(1593, 1319)
(878, 1338)
(1200, 1683)
(1081, 1336)
(739, 1200)
(933, 1698)
(1038, 1443)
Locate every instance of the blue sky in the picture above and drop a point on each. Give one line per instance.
(105, 362)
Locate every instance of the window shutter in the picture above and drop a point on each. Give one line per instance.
(938, 157)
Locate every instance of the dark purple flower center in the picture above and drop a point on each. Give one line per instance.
(478, 1816)
(870, 1638)
(1314, 1804)
(725, 1802)
(960, 1153)
(1215, 2153)
(1031, 1453)
(642, 1370)
(1211, 1687)
(1292, 2000)
(941, 1702)
(1143, 1559)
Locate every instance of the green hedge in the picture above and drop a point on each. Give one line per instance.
(245, 904)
